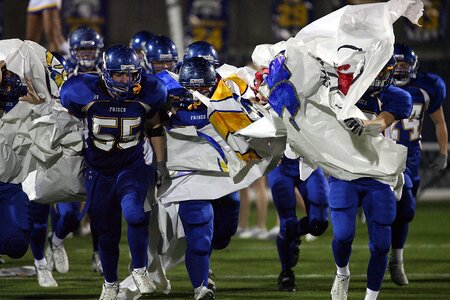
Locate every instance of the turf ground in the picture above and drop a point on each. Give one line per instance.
(248, 269)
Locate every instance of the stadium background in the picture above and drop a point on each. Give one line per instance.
(237, 26)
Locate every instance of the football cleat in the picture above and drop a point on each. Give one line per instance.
(203, 293)
(143, 281)
(286, 281)
(45, 277)
(211, 282)
(57, 257)
(339, 291)
(110, 292)
(398, 275)
(96, 263)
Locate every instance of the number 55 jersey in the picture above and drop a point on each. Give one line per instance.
(115, 127)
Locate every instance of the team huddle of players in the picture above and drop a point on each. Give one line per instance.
(122, 94)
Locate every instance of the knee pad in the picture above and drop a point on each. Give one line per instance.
(317, 228)
(134, 214)
(70, 221)
(380, 239)
(200, 241)
(15, 247)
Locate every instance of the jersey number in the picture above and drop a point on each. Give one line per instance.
(412, 124)
(106, 141)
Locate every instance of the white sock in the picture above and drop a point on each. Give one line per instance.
(40, 262)
(139, 270)
(344, 271)
(397, 255)
(109, 283)
(371, 295)
(56, 241)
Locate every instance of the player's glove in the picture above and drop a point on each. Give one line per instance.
(439, 163)
(162, 173)
(355, 125)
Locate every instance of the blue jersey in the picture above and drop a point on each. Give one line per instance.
(428, 93)
(115, 127)
(196, 117)
(7, 103)
(393, 100)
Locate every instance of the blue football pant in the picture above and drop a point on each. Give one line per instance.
(406, 209)
(207, 225)
(39, 216)
(378, 202)
(15, 224)
(110, 196)
(314, 191)
(65, 218)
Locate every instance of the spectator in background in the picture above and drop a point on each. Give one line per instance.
(260, 230)
(43, 15)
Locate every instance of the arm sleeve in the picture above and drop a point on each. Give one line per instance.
(396, 101)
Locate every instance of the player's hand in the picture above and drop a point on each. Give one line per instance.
(355, 125)
(31, 97)
(162, 173)
(439, 163)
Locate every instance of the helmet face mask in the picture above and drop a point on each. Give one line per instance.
(81, 40)
(122, 72)
(384, 78)
(198, 74)
(407, 64)
(160, 54)
(87, 57)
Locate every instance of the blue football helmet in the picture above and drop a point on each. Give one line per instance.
(123, 60)
(85, 46)
(11, 85)
(138, 41)
(202, 49)
(160, 54)
(384, 78)
(198, 74)
(407, 64)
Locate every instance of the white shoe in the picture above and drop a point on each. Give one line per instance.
(110, 292)
(339, 291)
(203, 293)
(45, 277)
(310, 238)
(96, 263)
(397, 271)
(268, 234)
(143, 282)
(251, 233)
(56, 257)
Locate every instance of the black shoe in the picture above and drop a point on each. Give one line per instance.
(286, 281)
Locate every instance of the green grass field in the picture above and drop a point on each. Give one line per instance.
(248, 269)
